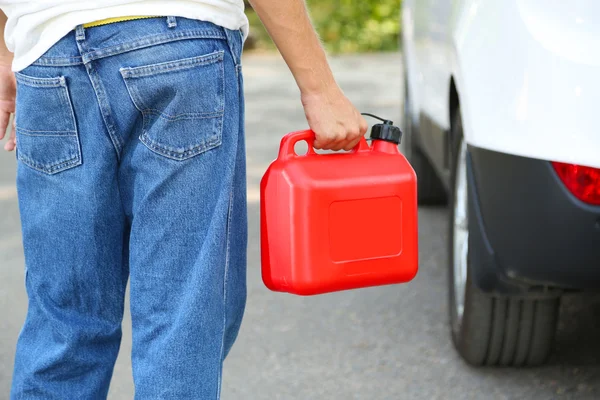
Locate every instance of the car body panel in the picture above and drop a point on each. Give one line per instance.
(527, 73)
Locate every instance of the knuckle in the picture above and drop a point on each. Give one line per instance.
(353, 134)
(340, 136)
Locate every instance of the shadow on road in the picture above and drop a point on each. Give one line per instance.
(578, 335)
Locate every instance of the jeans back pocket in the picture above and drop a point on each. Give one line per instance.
(182, 104)
(47, 138)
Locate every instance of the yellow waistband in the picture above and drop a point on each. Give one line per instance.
(115, 19)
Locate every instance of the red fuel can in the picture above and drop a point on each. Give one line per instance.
(332, 222)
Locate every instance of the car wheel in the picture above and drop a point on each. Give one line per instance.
(430, 190)
(486, 329)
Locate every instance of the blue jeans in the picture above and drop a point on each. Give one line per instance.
(131, 165)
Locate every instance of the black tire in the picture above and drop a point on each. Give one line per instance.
(430, 190)
(496, 331)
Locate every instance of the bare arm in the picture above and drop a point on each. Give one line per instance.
(5, 55)
(7, 88)
(335, 121)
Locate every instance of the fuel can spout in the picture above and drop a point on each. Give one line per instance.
(386, 136)
(385, 147)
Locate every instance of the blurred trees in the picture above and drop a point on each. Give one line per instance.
(348, 25)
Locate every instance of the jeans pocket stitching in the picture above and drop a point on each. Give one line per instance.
(172, 66)
(138, 102)
(74, 158)
(52, 168)
(29, 132)
(207, 144)
(183, 116)
(136, 98)
(39, 82)
(154, 40)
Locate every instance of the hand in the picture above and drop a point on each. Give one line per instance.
(8, 93)
(336, 122)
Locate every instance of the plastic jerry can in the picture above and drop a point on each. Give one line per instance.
(332, 222)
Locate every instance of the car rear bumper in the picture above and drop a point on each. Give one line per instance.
(528, 234)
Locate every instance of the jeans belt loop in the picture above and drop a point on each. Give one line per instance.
(79, 33)
(171, 21)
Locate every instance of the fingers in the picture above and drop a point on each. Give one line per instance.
(339, 143)
(11, 144)
(321, 141)
(4, 118)
(352, 144)
(330, 142)
(346, 139)
(362, 125)
(356, 134)
(349, 143)
(352, 133)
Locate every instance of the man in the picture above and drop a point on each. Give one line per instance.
(130, 146)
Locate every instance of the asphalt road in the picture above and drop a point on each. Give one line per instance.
(380, 343)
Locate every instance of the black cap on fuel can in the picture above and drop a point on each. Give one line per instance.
(386, 131)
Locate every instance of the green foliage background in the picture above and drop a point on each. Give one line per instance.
(347, 25)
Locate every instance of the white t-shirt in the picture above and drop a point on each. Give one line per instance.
(34, 26)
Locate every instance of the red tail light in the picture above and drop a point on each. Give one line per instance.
(583, 182)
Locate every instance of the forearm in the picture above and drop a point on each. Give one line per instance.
(334, 120)
(6, 56)
(289, 26)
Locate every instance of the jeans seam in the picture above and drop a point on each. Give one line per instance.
(58, 61)
(100, 93)
(29, 132)
(238, 69)
(104, 108)
(67, 98)
(225, 276)
(233, 50)
(151, 41)
(222, 89)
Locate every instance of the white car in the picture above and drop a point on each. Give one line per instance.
(501, 120)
